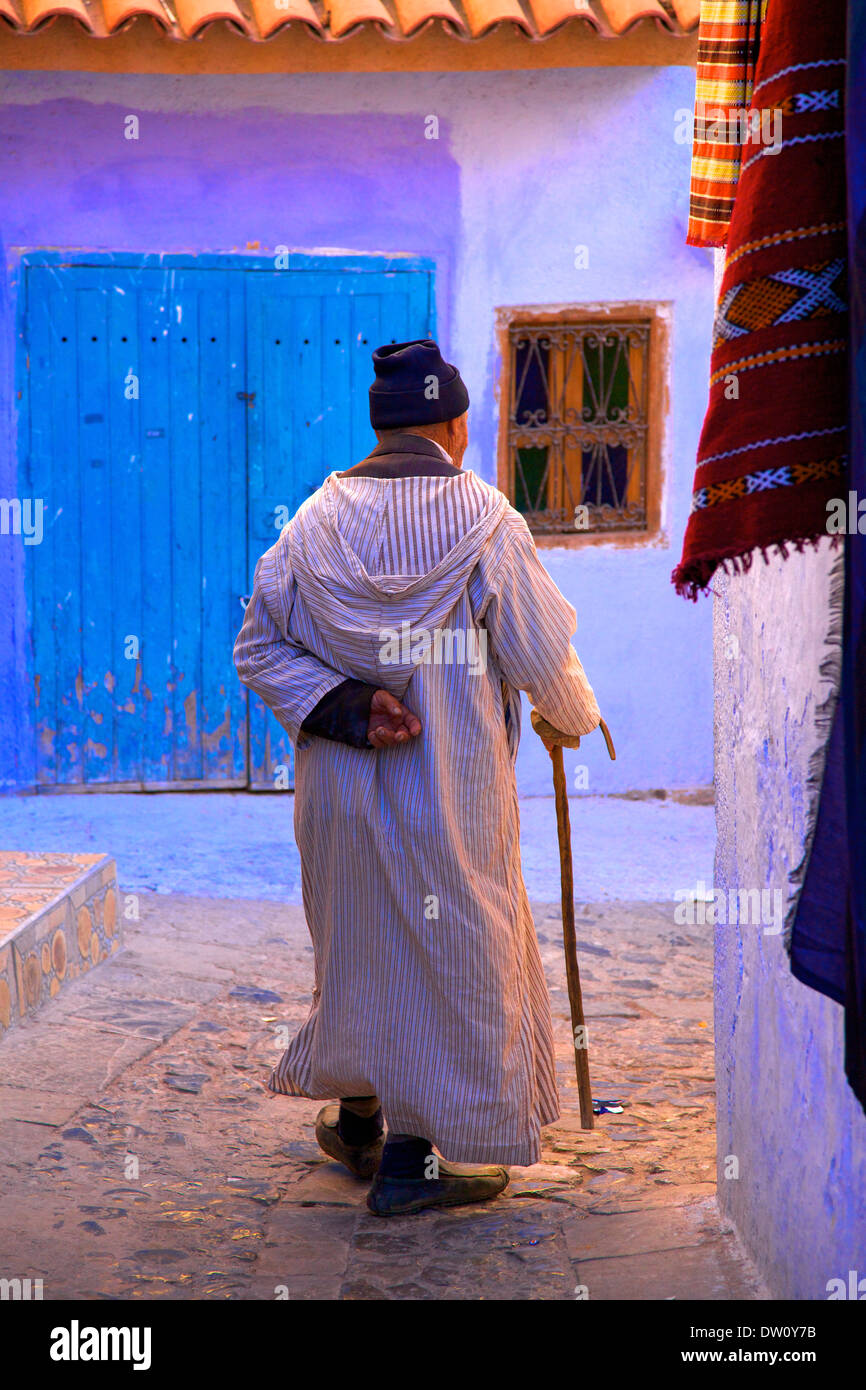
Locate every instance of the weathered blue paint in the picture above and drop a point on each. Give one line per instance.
(176, 416)
(310, 336)
(129, 438)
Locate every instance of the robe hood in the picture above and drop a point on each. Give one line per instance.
(350, 592)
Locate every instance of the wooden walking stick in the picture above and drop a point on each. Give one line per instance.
(572, 970)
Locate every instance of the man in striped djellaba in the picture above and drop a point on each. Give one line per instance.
(391, 629)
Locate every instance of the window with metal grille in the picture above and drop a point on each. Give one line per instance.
(576, 436)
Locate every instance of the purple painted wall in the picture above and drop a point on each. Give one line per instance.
(526, 166)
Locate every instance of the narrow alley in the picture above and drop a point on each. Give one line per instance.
(143, 1157)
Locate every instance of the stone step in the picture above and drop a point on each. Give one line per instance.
(59, 919)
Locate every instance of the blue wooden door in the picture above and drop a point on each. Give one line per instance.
(137, 444)
(310, 336)
(175, 416)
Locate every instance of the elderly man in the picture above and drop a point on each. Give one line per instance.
(391, 629)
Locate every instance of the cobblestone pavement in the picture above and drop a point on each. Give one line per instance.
(141, 1155)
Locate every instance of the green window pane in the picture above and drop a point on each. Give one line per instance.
(528, 477)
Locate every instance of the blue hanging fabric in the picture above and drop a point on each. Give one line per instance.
(828, 937)
(854, 652)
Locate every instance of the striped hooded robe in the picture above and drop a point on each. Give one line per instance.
(429, 989)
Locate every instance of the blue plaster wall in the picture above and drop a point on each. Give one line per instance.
(526, 167)
(791, 1134)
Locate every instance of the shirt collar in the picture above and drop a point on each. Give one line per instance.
(393, 457)
(444, 452)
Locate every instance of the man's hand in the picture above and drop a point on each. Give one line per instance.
(390, 722)
(551, 737)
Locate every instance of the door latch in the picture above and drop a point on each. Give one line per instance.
(248, 396)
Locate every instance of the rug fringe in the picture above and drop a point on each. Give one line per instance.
(693, 579)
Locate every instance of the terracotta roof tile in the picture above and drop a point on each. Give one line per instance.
(624, 13)
(36, 12)
(484, 14)
(412, 15)
(335, 19)
(194, 15)
(117, 12)
(270, 15)
(345, 15)
(550, 14)
(688, 12)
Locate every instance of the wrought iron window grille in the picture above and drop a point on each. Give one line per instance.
(578, 425)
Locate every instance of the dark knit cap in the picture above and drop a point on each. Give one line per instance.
(414, 386)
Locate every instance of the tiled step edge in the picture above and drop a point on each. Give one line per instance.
(60, 943)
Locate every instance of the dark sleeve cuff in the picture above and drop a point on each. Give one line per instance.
(343, 714)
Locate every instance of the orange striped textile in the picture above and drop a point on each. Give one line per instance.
(728, 42)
